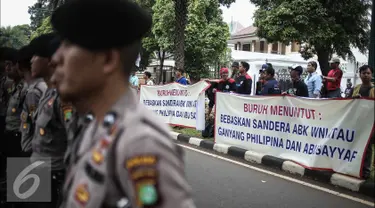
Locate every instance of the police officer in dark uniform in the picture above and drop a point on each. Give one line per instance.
(126, 157)
(51, 117)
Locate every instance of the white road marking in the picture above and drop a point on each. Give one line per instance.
(369, 203)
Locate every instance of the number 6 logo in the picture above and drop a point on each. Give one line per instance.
(22, 177)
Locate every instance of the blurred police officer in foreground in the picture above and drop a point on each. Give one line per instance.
(51, 117)
(126, 157)
(35, 90)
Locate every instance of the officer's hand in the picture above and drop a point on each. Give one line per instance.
(214, 90)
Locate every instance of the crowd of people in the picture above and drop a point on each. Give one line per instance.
(66, 103)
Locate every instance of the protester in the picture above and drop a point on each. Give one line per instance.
(147, 78)
(367, 88)
(260, 83)
(134, 81)
(333, 80)
(299, 87)
(271, 86)
(349, 88)
(244, 81)
(313, 80)
(179, 76)
(225, 84)
(235, 70)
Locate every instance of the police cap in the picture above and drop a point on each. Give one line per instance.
(9, 54)
(101, 24)
(44, 45)
(24, 57)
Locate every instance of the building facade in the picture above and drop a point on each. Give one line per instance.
(247, 40)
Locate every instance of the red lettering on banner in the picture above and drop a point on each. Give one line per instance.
(172, 92)
(295, 112)
(255, 108)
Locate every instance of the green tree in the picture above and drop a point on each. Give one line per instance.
(181, 12)
(38, 12)
(206, 37)
(14, 37)
(45, 28)
(326, 26)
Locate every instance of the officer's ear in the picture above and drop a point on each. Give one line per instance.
(112, 61)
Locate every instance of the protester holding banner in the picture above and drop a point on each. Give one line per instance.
(366, 89)
(244, 81)
(179, 76)
(225, 84)
(299, 87)
(313, 80)
(271, 86)
(261, 81)
(333, 80)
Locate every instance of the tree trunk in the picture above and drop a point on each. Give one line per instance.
(161, 56)
(323, 59)
(179, 39)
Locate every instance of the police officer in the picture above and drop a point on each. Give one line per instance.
(12, 134)
(52, 115)
(126, 157)
(76, 128)
(5, 83)
(36, 89)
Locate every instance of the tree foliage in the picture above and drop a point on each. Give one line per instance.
(45, 28)
(38, 12)
(206, 37)
(206, 34)
(328, 26)
(14, 37)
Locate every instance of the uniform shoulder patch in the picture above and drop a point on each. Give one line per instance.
(140, 160)
(144, 175)
(67, 110)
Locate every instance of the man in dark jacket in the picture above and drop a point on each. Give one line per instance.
(244, 81)
(299, 87)
(271, 86)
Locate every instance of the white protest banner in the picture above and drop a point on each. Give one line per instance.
(177, 104)
(321, 134)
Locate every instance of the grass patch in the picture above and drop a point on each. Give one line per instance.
(191, 132)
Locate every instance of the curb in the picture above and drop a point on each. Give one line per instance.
(347, 182)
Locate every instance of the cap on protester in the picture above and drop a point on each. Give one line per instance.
(89, 23)
(224, 70)
(44, 45)
(298, 69)
(335, 60)
(264, 67)
(235, 64)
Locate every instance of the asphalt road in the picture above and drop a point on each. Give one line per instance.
(217, 183)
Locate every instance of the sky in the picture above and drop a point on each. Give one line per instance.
(14, 12)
